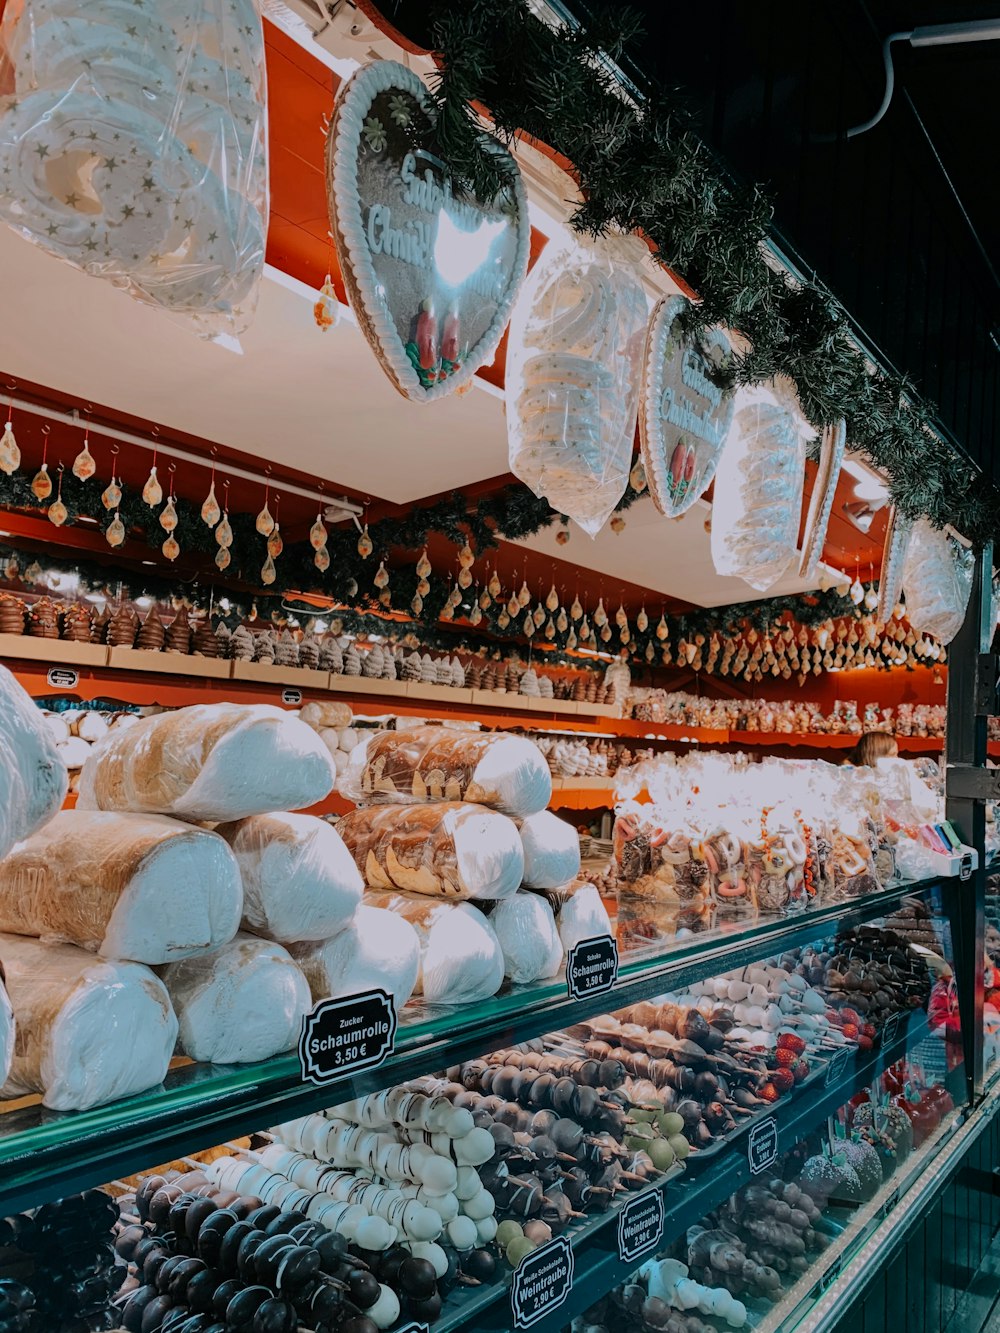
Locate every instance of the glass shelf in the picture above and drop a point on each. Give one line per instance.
(46, 1154)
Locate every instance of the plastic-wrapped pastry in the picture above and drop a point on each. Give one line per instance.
(758, 490)
(326, 713)
(579, 913)
(573, 373)
(6, 1030)
(937, 581)
(33, 777)
(504, 772)
(299, 881)
(526, 929)
(239, 1003)
(210, 761)
(90, 1030)
(446, 849)
(138, 887)
(461, 961)
(551, 851)
(378, 949)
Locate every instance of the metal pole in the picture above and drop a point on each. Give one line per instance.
(968, 706)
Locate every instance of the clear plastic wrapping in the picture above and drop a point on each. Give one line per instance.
(378, 948)
(526, 928)
(132, 146)
(7, 1030)
(502, 772)
(573, 371)
(580, 914)
(445, 849)
(33, 778)
(758, 493)
(461, 961)
(137, 887)
(937, 581)
(551, 851)
(299, 881)
(89, 1030)
(210, 761)
(243, 1002)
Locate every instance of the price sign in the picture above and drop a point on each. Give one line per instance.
(832, 1273)
(762, 1145)
(542, 1281)
(965, 867)
(592, 967)
(640, 1225)
(63, 678)
(342, 1036)
(837, 1068)
(890, 1203)
(291, 697)
(895, 1027)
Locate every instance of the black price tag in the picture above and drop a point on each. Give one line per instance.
(832, 1273)
(592, 967)
(640, 1225)
(62, 678)
(762, 1145)
(965, 867)
(291, 697)
(342, 1036)
(890, 1203)
(542, 1281)
(895, 1027)
(837, 1068)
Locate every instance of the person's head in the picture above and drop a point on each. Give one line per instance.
(873, 746)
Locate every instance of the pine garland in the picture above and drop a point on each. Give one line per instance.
(641, 168)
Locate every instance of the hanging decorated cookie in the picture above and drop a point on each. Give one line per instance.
(223, 557)
(430, 270)
(322, 559)
(265, 522)
(466, 556)
(224, 532)
(210, 510)
(114, 533)
(268, 573)
(57, 512)
(10, 454)
(84, 466)
(170, 548)
(365, 544)
(318, 534)
(381, 579)
(685, 416)
(833, 445)
(152, 492)
(326, 311)
(168, 516)
(275, 542)
(494, 587)
(41, 483)
(111, 496)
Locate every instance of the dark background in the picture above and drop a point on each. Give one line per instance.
(903, 222)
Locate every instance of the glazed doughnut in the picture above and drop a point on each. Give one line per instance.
(58, 163)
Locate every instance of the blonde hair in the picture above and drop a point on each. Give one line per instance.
(871, 747)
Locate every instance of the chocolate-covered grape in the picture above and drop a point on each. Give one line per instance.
(244, 1305)
(275, 1316)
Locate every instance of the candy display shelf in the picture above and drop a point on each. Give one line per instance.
(45, 1155)
(687, 1198)
(133, 676)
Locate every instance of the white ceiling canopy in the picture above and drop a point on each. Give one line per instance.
(670, 556)
(317, 402)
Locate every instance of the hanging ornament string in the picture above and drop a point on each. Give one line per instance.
(84, 466)
(168, 521)
(264, 521)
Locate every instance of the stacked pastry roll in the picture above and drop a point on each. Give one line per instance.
(452, 835)
(129, 930)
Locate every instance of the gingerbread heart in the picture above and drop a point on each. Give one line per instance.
(431, 271)
(685, 417)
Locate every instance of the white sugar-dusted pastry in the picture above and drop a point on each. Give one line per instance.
(527, 933)
(91, 1030)
(299, 880)
(139, 887)
(580, 914)
(551, 851)
(446, 849)
(240, 1003)
(378, 949)
(503, 772)
(209, 761)
(33, 777)
(461, 961)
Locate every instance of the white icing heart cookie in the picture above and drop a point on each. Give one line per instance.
(430, 270)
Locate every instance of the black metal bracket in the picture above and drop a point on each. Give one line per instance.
(967, 782)
(988, 685)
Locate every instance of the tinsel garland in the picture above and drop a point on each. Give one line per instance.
(641, 168)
